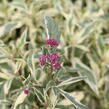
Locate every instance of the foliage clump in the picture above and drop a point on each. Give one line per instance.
(38, 68)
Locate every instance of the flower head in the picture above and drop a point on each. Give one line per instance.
(26, 91)
(42, 60)
(52, 42)
(53, 58)
(57, 65)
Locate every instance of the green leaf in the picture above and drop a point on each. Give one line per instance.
(94, 65)
(45, 50)
(1, 43)
(22, 41)
(86, 31)
(19, 5)
(7, 66)
(16, 84)
(82, 47)
(2, 90)
(76, 103)
(104, 17)
(5, 76)
(61, 107)
(31, 63)
(107, 92)
(39, 95)
(6, 101)
(70, 69)
(50, 85)
(20, 1)
(20, 99)
(51, 28)
(7, 86)
(71, 81)
(7, 28)
(101, 46)
(84, 70)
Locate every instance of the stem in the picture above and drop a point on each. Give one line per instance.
(50, 78)
(51, 72)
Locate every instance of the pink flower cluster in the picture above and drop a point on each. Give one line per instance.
(52, 42)
(26, 91)
(43, 60)
(53, 59)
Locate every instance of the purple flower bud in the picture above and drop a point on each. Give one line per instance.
(42, 60)
(53, 58)
(26, 91)
(52, 42)
(57, 65)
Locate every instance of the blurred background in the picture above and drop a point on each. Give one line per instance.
(84, 27)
